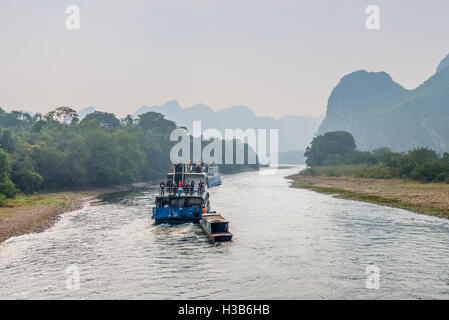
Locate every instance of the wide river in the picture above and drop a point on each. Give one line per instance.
(288, 243)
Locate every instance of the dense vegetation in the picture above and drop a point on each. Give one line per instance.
(335, 153)
(59, 151)
(7, 188)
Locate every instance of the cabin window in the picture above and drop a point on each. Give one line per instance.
(185, 203)
(206, 224)
(161, 202)
(219, 227)
(195, 202)
(180, 202)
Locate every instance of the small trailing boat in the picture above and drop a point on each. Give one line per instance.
(216, 227)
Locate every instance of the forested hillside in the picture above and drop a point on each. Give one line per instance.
(57, 150)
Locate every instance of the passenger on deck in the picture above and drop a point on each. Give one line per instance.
(179, 187)
(200, 187)
(192, 187)
(162, 185)
(169, 186)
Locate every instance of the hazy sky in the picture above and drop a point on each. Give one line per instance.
(275, 56)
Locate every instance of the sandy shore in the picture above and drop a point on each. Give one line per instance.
(32, 214)
(428, 198)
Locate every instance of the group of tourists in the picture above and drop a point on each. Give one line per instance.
(179, 188)
(195, 167)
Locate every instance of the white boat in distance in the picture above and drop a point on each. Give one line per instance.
(213, 175)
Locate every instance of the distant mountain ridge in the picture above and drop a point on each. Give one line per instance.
(295, 132)
(84, 112)
(379, 112)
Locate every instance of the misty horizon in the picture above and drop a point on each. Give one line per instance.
(277, 58)
(132, 111)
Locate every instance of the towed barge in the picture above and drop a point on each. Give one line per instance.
(216, 227)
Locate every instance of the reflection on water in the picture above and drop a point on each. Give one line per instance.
(288, 243)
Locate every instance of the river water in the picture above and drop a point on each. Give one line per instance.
(288, 244)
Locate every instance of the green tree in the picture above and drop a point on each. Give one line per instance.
(63, 114)
(329, 145)
(6, 140)
(107, 121)
(23, 171)
(380, 153)
(7, 188)
(154, 121)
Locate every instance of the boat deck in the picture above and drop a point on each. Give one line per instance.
(215, 218)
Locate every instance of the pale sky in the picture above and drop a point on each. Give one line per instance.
(277, 57)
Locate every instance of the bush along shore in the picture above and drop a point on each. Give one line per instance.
(417, 180)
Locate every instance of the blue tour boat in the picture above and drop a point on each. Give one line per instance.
(179, 205)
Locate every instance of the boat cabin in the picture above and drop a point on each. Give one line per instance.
(179, 202)
(216, 227)
(187, 172)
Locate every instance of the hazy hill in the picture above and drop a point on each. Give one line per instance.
(291, 157)
(295, 132)
(379, 112)
(84, 112)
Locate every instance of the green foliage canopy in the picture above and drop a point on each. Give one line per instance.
(57, 151)
(337, 148)
(328, 147)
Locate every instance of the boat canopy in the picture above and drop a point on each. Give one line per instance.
(214, 218)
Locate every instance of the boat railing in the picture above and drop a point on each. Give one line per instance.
(195, 167)
(185, 191)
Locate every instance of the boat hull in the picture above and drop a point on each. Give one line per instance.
(177, 215)
(214, 181)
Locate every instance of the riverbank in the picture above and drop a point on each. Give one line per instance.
(36, 213)
(428, 198)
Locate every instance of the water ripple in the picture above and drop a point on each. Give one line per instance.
(288, 243)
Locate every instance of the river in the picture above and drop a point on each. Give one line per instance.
(288, 244)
